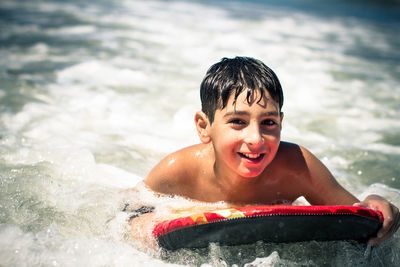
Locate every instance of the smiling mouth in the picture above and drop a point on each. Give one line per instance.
(254, 157)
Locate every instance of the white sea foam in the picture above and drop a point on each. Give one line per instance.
(100, 73)
(126, 97)
(49, 249)
(74, 30)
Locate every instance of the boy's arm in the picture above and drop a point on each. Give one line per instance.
(141, 228)
(325, 190)
(322, 188)
(167, 177)
(140, 215)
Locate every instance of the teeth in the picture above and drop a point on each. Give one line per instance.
(251, 156)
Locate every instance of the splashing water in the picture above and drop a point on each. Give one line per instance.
(93, 94)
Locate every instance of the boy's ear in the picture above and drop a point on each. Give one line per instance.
(202, 126)
(281, 115)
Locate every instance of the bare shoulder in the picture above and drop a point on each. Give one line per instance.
(298, 159)
(297, 155)
(319, 185)
(292, 156)
(178, 170)
(291, 164)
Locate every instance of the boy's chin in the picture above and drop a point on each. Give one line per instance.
(251, 174)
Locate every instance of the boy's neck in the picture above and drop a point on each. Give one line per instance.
(231, 185)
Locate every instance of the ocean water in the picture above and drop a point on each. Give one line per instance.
(94, 93)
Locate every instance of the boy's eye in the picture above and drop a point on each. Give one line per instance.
(268, 122)
(237, 121)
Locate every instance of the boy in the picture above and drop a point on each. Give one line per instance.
(242, 160)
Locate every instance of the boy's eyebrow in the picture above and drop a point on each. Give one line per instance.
(235, 113)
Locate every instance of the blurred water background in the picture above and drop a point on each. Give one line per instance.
(94, 93)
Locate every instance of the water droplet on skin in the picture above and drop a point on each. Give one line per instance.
(171, 162)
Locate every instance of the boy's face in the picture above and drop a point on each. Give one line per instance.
(246, 136)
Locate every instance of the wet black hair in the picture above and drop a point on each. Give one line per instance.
(233, 75)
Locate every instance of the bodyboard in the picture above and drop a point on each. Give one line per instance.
(276, 223)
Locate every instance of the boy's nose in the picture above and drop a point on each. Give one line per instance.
(253, 135)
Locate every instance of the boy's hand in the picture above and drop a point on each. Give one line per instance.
(391, 217)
